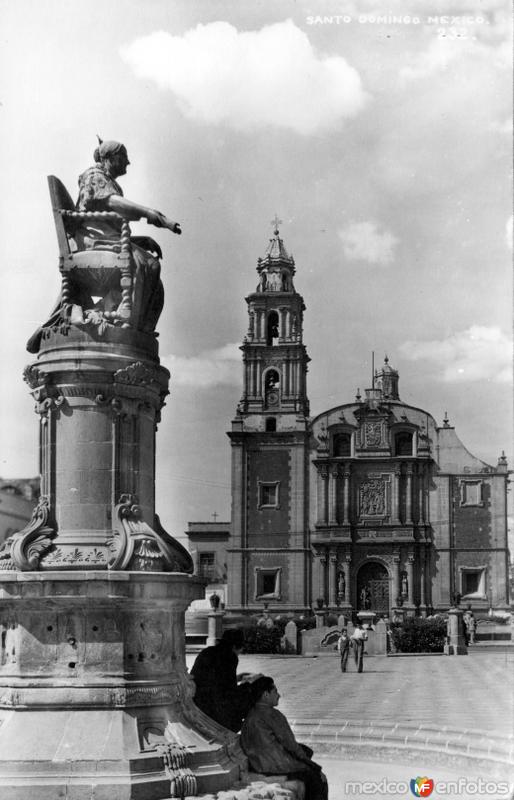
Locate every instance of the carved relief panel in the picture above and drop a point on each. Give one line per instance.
(372, 434)
(374, 497)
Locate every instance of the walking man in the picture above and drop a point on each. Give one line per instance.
(343, 645)
(357, 640)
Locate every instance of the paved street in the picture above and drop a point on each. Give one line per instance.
(430, 706)
(465, 692)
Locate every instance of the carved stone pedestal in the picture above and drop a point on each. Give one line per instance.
(455, 639)
(215, 627)
(95, 700)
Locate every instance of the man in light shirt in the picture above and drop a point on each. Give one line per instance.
(359, 636)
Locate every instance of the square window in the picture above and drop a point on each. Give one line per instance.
(267, 583)
(268, 580)
(471, 493)
(206, 565)
(472, 582)
(268, 494)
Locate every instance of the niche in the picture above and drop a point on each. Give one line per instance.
(272, 329)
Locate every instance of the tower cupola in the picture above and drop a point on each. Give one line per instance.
(275, 360)
(277, 268)
(386, 379)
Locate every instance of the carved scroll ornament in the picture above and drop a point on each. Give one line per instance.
(23, 550)
(134, 545)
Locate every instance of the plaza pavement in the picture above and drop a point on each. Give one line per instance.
(447, 717)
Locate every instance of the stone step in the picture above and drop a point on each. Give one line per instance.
(470, 745)
(492, 646)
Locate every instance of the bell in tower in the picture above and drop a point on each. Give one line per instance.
(275, 359)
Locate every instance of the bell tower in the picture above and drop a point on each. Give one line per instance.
(274, 356)
(269, 555)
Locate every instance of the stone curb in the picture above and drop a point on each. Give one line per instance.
(468, 744)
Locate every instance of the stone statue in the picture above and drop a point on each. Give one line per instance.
(99, 257)
(405, 585)
(341, 585)
(365, 598)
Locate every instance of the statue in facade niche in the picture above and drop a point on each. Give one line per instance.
(98, 256)
(341, 585)
(365, 598)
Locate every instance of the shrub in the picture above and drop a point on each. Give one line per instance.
(302, 623)
(262, 640)
(418, 635)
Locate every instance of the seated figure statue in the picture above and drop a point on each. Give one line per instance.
(98, 256)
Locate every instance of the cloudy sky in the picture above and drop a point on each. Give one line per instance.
(380, 136)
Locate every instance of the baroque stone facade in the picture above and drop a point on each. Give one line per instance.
(368, 506)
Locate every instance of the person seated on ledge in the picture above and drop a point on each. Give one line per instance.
(270, 744)
(218, 693)
(100, 191)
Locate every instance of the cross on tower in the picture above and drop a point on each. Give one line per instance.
(276, 222)
(215, 516)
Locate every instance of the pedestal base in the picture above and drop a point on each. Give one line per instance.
(98, 754)
(455, 650)
(95, 700)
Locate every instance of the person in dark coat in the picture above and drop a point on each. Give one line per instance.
(343, 645)
(215, 674)
(270, 744)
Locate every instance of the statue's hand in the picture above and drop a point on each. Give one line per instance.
(161, 221)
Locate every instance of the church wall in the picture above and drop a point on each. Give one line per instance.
(472, 522)
(440, 521)
(374, 480)
(267, 526)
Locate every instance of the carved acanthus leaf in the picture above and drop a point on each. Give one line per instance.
(137, 374)
(23, 550)
(134, 545)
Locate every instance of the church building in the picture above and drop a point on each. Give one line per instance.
(369, 505)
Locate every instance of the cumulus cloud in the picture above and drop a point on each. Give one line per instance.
(209, 368)
(437, 57)
(365, 241)
(479, 353)
(249, 79)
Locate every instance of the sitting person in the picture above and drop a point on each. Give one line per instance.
(215, 674)
(99, 191)
(270, 744)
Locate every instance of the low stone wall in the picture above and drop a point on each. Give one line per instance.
(322, 641)
(259, 787)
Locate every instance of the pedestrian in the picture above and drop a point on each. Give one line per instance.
(270, 744)
(358, 638)
(470, 625)
(343, 645)
(215, 674)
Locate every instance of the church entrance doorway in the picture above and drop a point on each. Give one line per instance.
(373, 588)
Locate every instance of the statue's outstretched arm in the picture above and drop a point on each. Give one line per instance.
(133, 211)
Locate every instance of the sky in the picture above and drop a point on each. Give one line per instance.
(382, 138)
